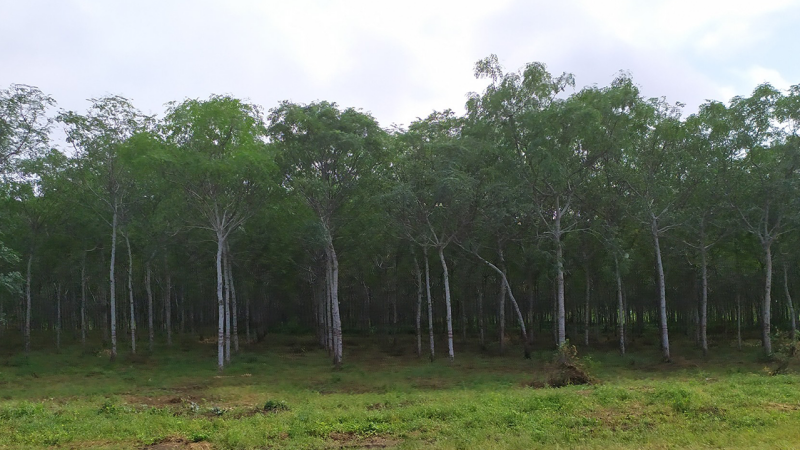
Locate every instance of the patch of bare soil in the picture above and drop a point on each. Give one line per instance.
(178, 444)
(351, 440)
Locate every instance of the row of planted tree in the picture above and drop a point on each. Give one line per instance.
(540, 207)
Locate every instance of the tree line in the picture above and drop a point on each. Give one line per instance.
(541, 214)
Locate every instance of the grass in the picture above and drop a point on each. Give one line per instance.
(285, 395)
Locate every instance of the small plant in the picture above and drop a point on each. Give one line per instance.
(275, 406)
(568, 369)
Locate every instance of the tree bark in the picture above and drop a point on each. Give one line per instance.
(130, 294)
(417, 323)
(501, 315)
(112, 289)
(620, 308)
(430, 301)
(561, 314)
(220, 305)
(149, 288)
(662, 292)
(767, 304)
(226, 281)
(448, 307)
(234, 312)
(586, 314)
(335, 315)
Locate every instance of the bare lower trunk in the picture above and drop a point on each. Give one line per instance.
(234, 312)
(738, 320)
(501, 316)
(247, 316)
(481, 331)
(704, 300)
(335, 316)
(792, 317)
(620, 308)
(560, 311)
(662, 293)
(418, 324)
(148, 287)
(27, 331)
(226, 281)
(586, 309)
(167, 304)
(430, 301)
(130, 294)
(766, 305)
(448, 307)
(83, 301)
(58, 318)
(220, 306)
(112, 290)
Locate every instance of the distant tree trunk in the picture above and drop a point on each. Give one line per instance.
(234, 312)
(620, 308)
(501, 315)
(220, 305)
(738, 320)
(168, 303)
(586, 314)
(662, 291)
(83, 301)
(448, 307)
(58, 318)
(704, 298)
(148, 287)
(418, 325)
(793, 321)
(481, 330)
(130, 294)
(430, 301)
(766, 305)
(112, 289)
(27, 331)
(227, 283)
(247, 316)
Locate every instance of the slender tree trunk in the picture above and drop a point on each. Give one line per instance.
(662, 291)
(247, 316)
(168, 303)
(335, 315)
(793, 318)
(560, 311)
(112, 289)
(234, 312)
(28, 302)
(704, 298)
(58, 318)
(418, 325)
(220, 305)
(738, 321)
(430, 301)
(481, 330)
(130, 294)
(501, 315)
(586, 314)
(83, 301)
(448, 307)
(767, 304)
(149, 288)
(226, 281)
(620, 308)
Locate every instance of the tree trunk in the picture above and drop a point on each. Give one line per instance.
(418, 325)
(662, 291)
(220, 305)
(83, 301)
(58, 318)
(620, 308)
(430, 301)
(27, 331)
(767, 304)
(586, 314)
(501, 315)
(704, 298)
(234, 312)
(335, 315)
(112, 289)
(738, 321)
(130, 294)
(481, 331)
(448, 307)
(793, 319)
(227, 283)
(149, 288)
(560, 311)
(168, 304)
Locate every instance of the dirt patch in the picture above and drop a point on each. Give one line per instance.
(178, 444)
(782, 406)
(567, 374)
(351, 440)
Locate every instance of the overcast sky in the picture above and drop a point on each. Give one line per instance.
(398, 60)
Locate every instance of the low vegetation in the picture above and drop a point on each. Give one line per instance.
(284, 394)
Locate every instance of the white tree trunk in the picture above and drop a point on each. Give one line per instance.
(430, 301)
(662, 292)
(130, 294)
(335, 317)
(220, 305)
(226, 281)
(448, 307)
(113, 285)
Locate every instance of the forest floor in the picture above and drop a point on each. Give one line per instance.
(284, 394)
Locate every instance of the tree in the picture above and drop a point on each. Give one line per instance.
(327, 155)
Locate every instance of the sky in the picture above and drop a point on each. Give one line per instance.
(398, 60)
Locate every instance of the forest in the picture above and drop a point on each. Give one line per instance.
(544, 215)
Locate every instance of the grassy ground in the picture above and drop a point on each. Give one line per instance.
(284, 395)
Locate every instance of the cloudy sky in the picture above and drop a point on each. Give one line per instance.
(398, 60)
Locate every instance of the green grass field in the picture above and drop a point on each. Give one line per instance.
(284, 394)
